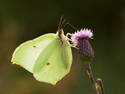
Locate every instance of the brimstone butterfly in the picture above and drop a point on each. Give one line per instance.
(48, 57)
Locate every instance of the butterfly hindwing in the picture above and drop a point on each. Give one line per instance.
(53, 63)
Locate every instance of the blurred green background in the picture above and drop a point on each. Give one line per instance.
(22, 20)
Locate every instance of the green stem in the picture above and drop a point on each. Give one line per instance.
(90, 74)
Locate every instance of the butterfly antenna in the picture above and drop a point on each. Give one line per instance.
(64, 20)
(70, 26)
(61, 23)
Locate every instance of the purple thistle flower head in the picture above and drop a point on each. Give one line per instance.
(80, 39)
(82, 34)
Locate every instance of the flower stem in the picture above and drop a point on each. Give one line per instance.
(100, 84)
(90, 74)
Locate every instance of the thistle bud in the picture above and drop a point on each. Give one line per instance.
(81, 40)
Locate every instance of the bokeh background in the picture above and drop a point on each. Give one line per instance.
(22, 20)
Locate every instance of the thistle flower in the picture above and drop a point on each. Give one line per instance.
(81, 40)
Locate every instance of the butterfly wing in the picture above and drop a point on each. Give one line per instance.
(53, 63)
(28, 52)
(45, 57)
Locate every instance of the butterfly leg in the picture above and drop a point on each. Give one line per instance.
(71, 42)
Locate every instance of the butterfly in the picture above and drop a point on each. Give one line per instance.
(48, 57)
